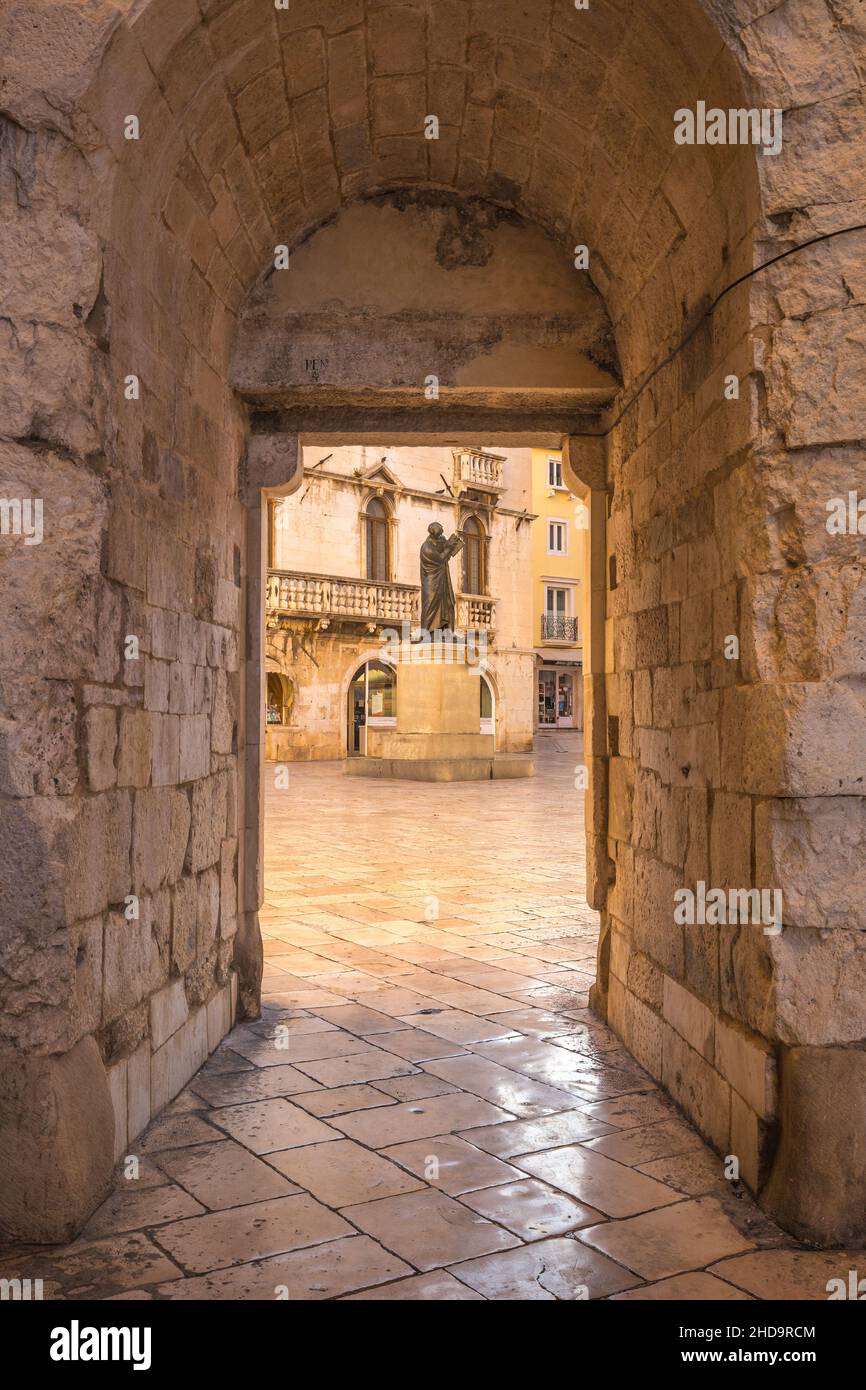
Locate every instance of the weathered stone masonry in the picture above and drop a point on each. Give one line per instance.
(139, 777)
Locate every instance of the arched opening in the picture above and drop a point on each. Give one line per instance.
(487, 703)
(177, 412)
(371, 704)
(280, 697)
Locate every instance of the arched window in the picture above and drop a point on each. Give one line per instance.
(474, 578)
(376, 524)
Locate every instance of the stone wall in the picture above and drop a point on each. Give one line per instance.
(120, 724)
(732, 769)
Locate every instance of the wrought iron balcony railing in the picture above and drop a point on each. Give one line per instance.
(328, 597)
(557, 629)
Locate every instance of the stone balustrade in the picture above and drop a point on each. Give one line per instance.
(474, 469)
(474, 611)
(328, 596)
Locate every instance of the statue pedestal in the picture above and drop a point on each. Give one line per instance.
(437, 737)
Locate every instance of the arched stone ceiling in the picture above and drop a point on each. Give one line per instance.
(258, 124)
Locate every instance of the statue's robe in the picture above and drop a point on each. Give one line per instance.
(437, 593)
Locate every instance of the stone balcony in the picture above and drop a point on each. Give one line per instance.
(330, 598)
(475, 612)
(476, 471)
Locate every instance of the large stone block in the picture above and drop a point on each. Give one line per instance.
(747, 1061)
(64, 642)
(796, 740)
(165, 753)
(209, 807)
(168, 1012)
(160, 832)
(698, 1088)
(117, 1090)
(819, 980)
(752, 1143)
(56, 1142)
(228, 889)
(814, 849)
(642, 1031)
(100, 739)
(134, 751)
(194, 749)
(689, 1017)
(798, 54)
(397, 105)
(85, 953)
(138, 1089)
(817, 1188)
(746, 985)
(98, 854)
(807, 624)
(816, 377)
(621, 797)
(219, 1017)
(731, 841)
(178, 1059)
(184, 908)
(181, 695)
(654, 930)
(133, 965)
(397, 40)
(224, 712)
(39, 752)
(208, 908)
(646, 980)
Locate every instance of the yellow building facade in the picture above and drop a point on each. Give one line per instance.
(559, 537)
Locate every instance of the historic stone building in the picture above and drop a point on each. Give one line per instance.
(231, 230)
(332, 637)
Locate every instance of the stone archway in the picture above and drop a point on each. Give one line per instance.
(124, 774)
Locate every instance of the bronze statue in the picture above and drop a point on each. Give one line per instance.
(437, 593)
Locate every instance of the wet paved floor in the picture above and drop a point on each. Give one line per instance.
(427, 1109)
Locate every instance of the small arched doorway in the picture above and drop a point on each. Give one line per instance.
(371, 703)
(280, 699)
(488, 706)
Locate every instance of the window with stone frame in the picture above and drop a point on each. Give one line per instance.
(377, 541)
(474, 557)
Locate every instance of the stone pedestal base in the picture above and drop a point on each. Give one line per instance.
(443, 769)
(437, 736)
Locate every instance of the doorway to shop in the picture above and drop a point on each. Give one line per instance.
(556, 703)
(371, 704)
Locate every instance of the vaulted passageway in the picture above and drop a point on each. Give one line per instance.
(131, 774)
